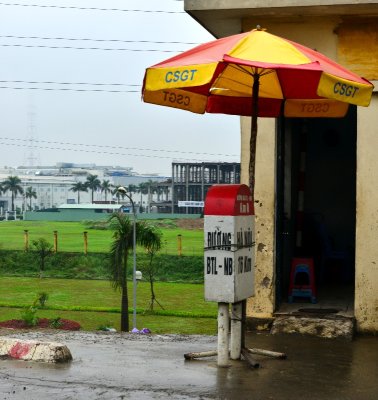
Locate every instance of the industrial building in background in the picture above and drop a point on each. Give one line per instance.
(53, 187)
(191, 181)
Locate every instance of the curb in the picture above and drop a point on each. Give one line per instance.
(330, 328)
(30, 350)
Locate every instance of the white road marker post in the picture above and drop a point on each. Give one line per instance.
(236, 331)
(229, 260)
(223, 330)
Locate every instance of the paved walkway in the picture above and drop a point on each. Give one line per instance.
(126, 366)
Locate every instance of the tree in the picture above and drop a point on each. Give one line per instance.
(152, 242)
(79, 187)
(12, 183)
(142, 189)
(106, 187)
(30, 194)
(43, 248)
(93, 183)
(132, 188)
(120, 249)
(115, 192)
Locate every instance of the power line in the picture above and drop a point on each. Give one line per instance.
(107, 90)
(95, 151)
(95, 40)
(71, 83)
(91, 8)
(104, 146)
(87, 48)
(69, 89)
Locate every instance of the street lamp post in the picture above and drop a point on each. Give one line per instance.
(123, 191)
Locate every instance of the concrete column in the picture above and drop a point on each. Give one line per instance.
(186, 185)
(203, 181)
(172, 188)
(366, 281)
(236, 330)
(262, 305)
(223, 329)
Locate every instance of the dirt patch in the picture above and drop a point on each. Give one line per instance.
(43, 323)
(190, 223)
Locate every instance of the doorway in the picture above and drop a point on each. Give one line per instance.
(316, 205)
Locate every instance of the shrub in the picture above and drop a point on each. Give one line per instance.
(42, 297)
(93, 266)
(56, 323)
(43, 249)
(29, 316)
(99, 225)
(106, 328)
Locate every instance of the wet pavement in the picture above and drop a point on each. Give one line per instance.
(126, 366)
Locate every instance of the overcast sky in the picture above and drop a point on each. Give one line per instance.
(146, 137)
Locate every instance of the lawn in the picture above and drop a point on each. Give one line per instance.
(91, 321)
(93, 303)
(184, 302)
(70, 237)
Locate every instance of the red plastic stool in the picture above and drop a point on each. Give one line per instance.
(302, 279)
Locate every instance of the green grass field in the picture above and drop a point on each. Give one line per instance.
(189, 312)
(91, 321)
(93, 303)
(70, 237)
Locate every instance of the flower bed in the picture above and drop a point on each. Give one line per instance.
(64, 324)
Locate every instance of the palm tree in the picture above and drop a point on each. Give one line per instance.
(93, 183)
(132, 188)
(12, 183)
(119, 251)
(30, 194)
(142, 189)
(115, 192)
(106, 187)
(79, 187)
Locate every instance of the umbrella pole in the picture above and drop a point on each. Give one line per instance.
(252, 162)
(252, 141)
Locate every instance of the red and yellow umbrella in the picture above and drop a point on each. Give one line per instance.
(255, 74)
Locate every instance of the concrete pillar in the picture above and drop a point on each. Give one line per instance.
(223, 329)
(366, 281)
(262, 305)
(236, 331)
(172, 188)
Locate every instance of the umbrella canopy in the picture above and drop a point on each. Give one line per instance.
(255, 74)
(217, 77)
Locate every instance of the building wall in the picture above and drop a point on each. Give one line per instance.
(366, 294)
(49, 194)
(66, 215)
(88, 215)
(331, 38)
(53, 191)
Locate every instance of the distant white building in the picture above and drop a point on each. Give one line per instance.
(53, 184)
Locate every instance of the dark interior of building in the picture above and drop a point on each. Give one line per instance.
(316, 200)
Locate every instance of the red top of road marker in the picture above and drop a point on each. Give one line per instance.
(230, 200)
